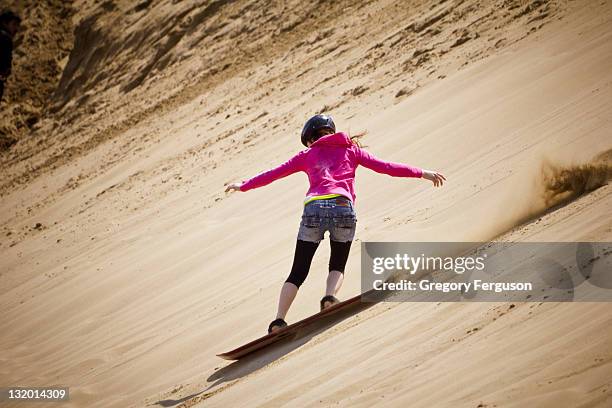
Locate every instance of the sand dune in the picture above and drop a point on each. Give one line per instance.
(125, 267)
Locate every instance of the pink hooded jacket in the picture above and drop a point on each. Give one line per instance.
(330, 164)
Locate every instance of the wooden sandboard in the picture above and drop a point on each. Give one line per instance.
(289, 331)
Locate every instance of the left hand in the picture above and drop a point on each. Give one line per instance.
(233, 187)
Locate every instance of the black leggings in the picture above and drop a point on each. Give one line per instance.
(304, 251)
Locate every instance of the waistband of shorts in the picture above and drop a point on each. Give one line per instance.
(338, 200)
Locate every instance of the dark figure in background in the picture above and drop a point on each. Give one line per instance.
(9, 25)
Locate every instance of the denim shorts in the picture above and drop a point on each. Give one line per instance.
(335, 215)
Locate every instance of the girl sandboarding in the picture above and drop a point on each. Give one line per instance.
(329, 161)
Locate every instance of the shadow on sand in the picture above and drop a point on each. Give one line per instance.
(262, 358)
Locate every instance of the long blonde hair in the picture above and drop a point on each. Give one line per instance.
(355, 138)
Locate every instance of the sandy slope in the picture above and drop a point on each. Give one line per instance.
(142, 269)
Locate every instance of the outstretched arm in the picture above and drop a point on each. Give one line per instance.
(398, 169)
(392, 169)
(291, 166)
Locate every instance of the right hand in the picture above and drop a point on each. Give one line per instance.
(435, 177)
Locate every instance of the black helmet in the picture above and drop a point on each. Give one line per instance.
(314, 124)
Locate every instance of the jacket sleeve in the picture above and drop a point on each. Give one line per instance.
(392, 169)
(291, 166)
